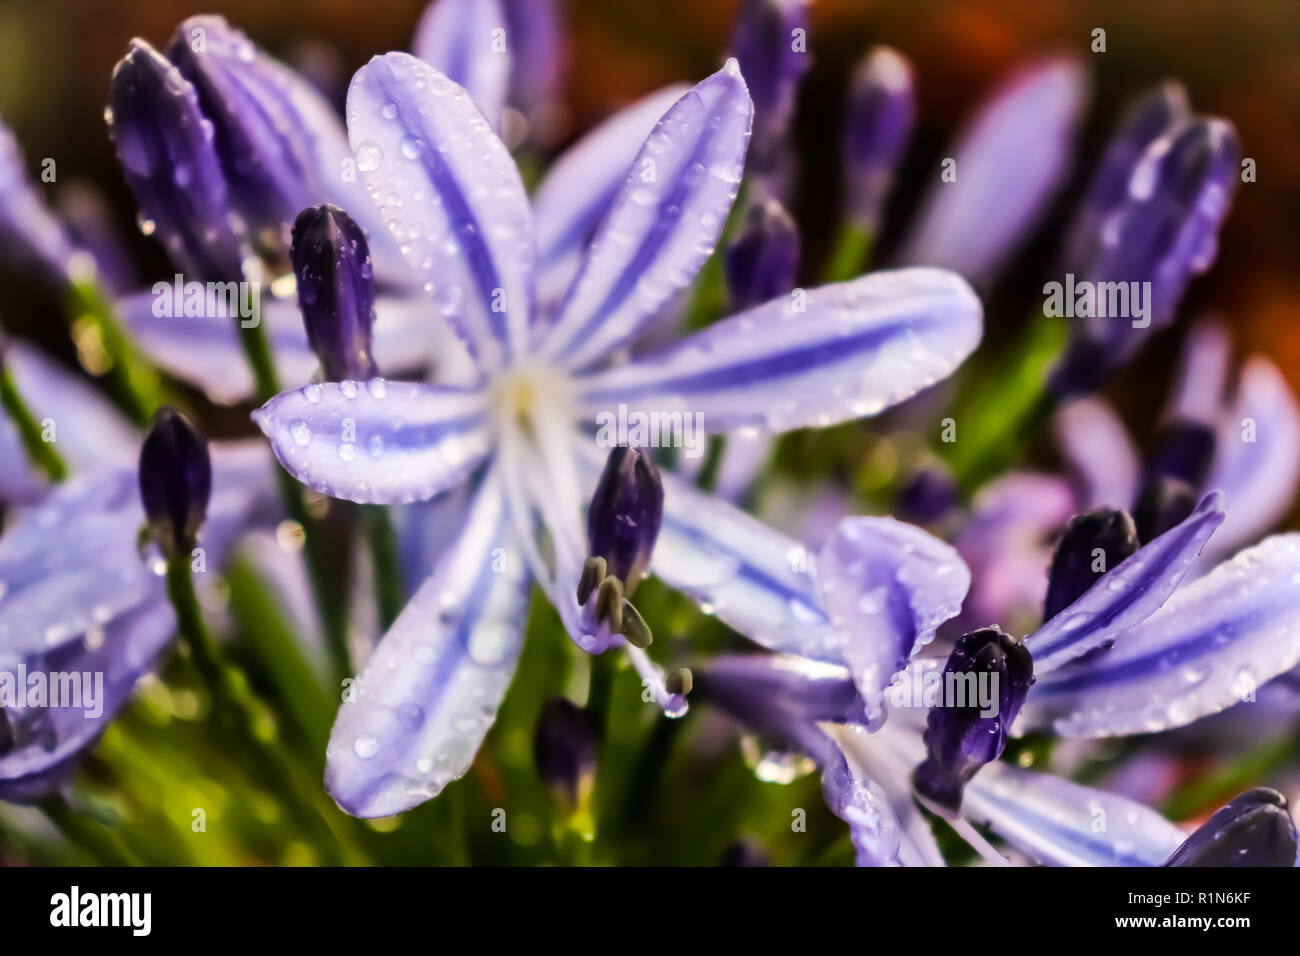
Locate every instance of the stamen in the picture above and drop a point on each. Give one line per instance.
(674, 705)
(977, 842)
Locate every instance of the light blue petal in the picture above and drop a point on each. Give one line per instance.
(432, 687)
(1126, 594)
(205, 349)
(755, 579)
(452, 197)
(664, 223)
(70, 564)
(1099, 452)
(467, 41)
(377, 441)
(118, 654)
(1009, 163)
(887, 586)
(1060, 823)
(1214, 642)
(844, 352)
(1257, 458)
(581, 185)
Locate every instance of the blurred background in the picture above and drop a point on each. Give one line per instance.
(1238, 60)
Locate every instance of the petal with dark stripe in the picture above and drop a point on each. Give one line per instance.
(452, 197)
(377, 441)
(887, 586)
(1126, 594)
(1060, 823)
(467, 41)
(1210, 647)
(582, 184)
(664, 223)
(431, 689)
(844, 352)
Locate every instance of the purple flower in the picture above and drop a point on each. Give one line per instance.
(565, 749)
(1008, 164)
(30, 235)
(961, 737)
(770, 43)
(1163, 231)
(878, 120)
(164, 143)
(761, 262)
(175, 481)
(1254, 829)
(336, 291)
(1092, 544)
(626, 511)
(467, 231)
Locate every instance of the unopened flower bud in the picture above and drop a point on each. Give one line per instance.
(175, 481)
(336, 291)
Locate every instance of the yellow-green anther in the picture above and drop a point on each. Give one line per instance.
(635, 629)
(593, 572)
(609, 603)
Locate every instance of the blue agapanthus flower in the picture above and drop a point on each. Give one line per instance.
(451, 196)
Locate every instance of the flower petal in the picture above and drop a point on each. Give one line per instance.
(1009, 163)
(1257, 465)
(663, 225)
(1209, 647)
(887, 586)
(1100, 453)
(205, 349)
(756, 580)
(431, 689)
(581, 185)
(451, 195)
(1060, 823)
(856, 349)
(1126, 594)
(70, 564)
(466, 41)
(380, 442)
(119, 653)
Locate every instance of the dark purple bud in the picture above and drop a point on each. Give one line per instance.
(1183, 450)
(336, 291)
(878, 120)
(984, 685)
(175, 481)
(565, 748)
(165, 145)
(625, 514)
(262, 114)
(928, 496)
(1161, 234)
(30, 235)
(1162, 503)
(1148, 118)
(761, 263)
(1254, 829)
(1093, 544)
(745, 852)
(770, 41)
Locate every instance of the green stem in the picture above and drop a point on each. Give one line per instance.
(1005, 406)
(237, 709)
(382, 542)
(849, 253)
(133, 383)
(707, 479)
(89, 835)
(40, 451)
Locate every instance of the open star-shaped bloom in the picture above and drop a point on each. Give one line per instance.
(453, 199)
